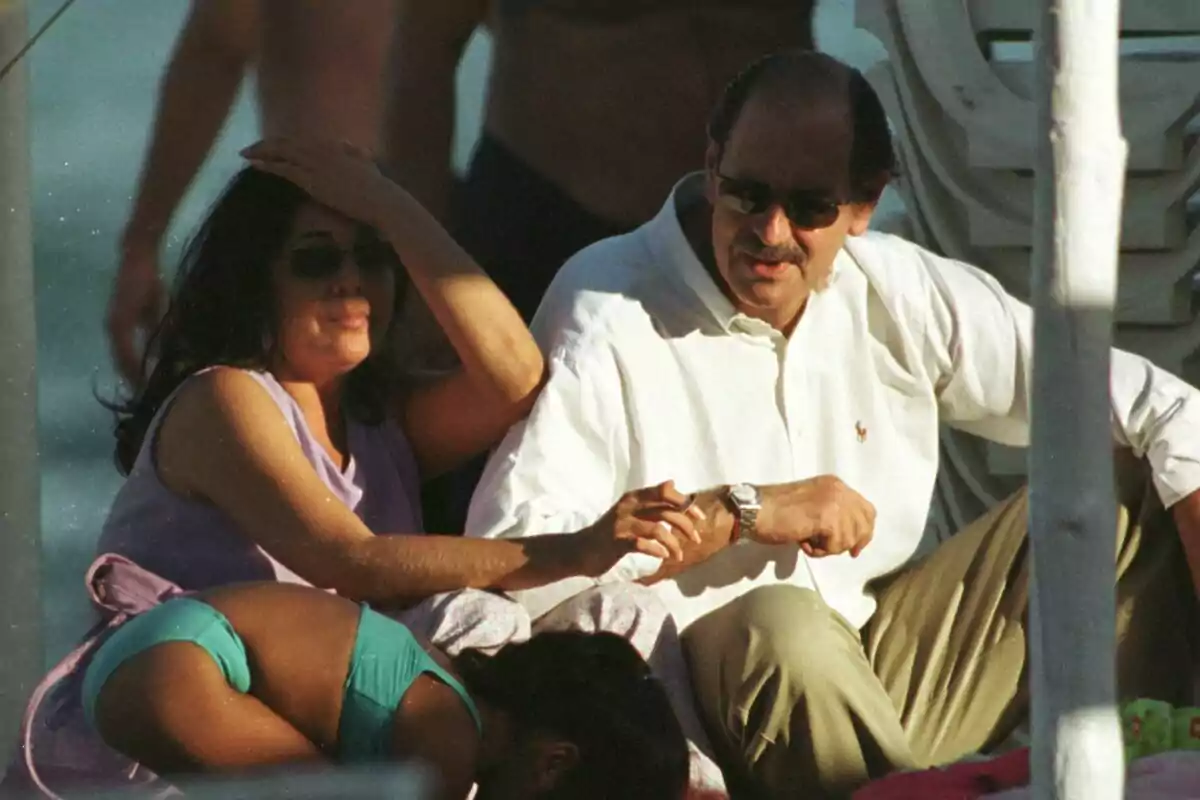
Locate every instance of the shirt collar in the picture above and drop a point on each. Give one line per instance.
(671, 247)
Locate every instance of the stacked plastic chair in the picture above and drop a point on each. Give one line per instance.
(964, 118)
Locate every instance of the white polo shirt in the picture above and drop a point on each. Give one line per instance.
(655, 376)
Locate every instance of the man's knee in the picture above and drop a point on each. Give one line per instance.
(755, 659)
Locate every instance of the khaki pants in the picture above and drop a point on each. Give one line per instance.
(800, 704)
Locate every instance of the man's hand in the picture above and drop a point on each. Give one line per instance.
(1187, 521)
(137, 305)
(822, 515)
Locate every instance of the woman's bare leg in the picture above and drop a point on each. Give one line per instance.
(171, 709)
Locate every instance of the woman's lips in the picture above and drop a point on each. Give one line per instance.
(352, 318)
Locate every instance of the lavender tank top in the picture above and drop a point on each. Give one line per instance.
(197, 546)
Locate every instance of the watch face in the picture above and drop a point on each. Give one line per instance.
(744, 494)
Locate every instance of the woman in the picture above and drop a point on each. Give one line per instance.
(270, 442)
(568, 715)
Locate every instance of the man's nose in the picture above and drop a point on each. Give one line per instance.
(773, 226)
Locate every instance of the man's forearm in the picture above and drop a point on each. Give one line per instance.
(196, 95)
(429, 43)
(419, 133)
(717, 528)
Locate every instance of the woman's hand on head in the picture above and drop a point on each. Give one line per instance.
(339, 175)
(649, 521)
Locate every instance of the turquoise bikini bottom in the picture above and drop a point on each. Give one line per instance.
(386, 660)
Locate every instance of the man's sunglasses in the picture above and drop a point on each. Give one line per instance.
(322, 261)
(806, 209)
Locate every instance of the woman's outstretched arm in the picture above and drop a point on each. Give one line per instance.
(225, 442)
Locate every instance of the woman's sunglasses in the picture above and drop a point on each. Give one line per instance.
(806, 209)
(322, 261)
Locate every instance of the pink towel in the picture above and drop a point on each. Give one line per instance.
(1166, 776)
(965, 781)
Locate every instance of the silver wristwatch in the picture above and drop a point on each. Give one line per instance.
(746, 502)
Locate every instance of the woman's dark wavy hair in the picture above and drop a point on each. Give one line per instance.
(223, 310)
(810, 76)
(596, 691)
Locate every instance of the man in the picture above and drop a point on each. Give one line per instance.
(758, 345)
(594, 109)
(319, 69)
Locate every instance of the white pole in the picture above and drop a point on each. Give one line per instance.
(21, 655)
(1077, 752)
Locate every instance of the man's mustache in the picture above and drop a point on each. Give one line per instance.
(790, 255)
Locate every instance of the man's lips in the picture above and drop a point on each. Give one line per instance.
(768, 265)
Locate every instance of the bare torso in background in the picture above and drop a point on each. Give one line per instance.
(610, 100)
(321, 68)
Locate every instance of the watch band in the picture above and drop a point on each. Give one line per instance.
(746, 503)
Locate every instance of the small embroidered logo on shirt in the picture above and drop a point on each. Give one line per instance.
(861, 431)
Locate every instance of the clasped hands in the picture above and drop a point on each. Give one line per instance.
(822, 516)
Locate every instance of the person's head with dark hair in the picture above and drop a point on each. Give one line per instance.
(799, 153)
(272, 281)
(576, 716)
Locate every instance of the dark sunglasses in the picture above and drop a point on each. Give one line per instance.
(806, 209)
(323, 260)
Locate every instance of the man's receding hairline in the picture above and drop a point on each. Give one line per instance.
(787, 78)
(786, 107)
(790, 83)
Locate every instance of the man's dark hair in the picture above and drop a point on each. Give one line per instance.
(809, 74)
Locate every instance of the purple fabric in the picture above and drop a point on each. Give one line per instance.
(197, 546)
(156, 545)
(58, 753)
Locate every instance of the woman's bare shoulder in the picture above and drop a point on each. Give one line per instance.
(221, 410)
(433, 725)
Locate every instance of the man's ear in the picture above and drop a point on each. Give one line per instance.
(861, 212)
(555, 758)
(712, 160)
(860, 218)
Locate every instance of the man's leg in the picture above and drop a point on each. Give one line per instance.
(949, 638)
(636, 613)
(788, 695)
